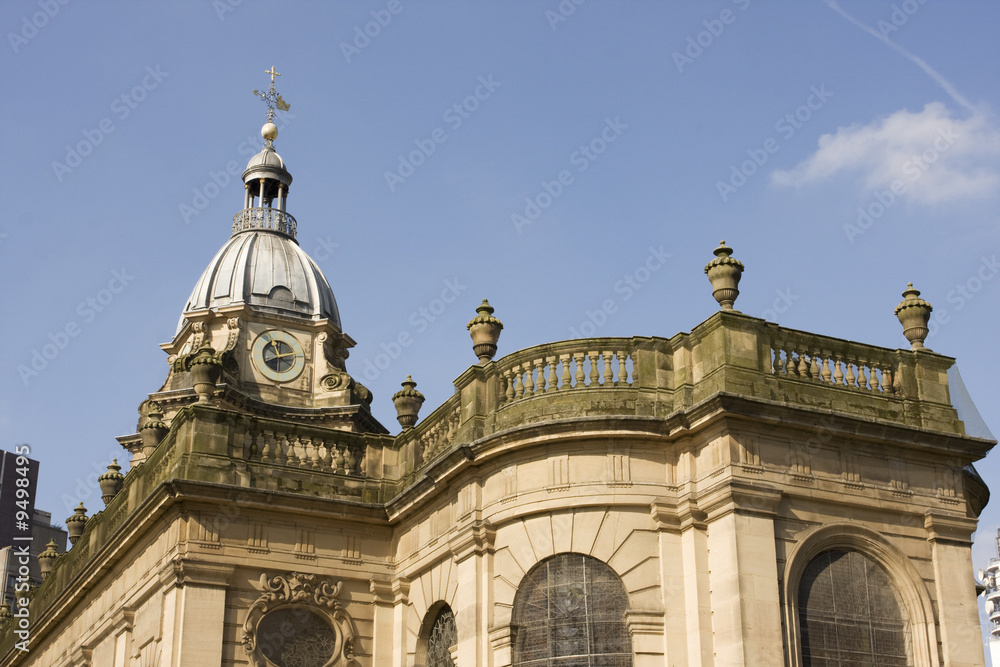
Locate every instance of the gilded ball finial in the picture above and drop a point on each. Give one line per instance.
(269, 131)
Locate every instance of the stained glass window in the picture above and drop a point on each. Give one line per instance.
(849, 613)
(569, 611)
(442, 638)
(296, 637)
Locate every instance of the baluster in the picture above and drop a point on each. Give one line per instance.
(352, 462)
(267, 446)
(838, 371)
(594, 373)
(887, 380)
(814, 367)
(282, 451)
(338, 461)
(509, 378)
(566, 378)
(849, 377)
(776, 360)
(293, 453)
(314, 457)
(608, 372)
(790, 367)
(872, 377)
(803, 370)
(518, 383)
(326, 460)
(529, 380)
(825, 371)
(246, 451)
(540, 365)
(580, 377)
(553, 378)
(622, 371)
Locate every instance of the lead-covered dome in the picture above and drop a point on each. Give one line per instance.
(267, 271)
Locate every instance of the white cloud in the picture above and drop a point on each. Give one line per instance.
(937, 157)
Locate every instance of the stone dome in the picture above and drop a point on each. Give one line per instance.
(267, 271)
(266, 158)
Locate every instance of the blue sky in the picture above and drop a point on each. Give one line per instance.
(841, 150)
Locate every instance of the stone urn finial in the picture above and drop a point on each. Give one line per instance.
(47, 559)
(407, 401)
(914, 313)
(485, 331)
(111, 482)
(76, 523)
(153, 428)
(206, 369)
(724, 272)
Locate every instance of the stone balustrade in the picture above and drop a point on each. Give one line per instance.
(322, 450)
(834, 362)
(600, 363)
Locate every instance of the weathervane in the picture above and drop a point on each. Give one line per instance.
(271, 97)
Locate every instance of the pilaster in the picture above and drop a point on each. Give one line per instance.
(743, 563)
(958, 615)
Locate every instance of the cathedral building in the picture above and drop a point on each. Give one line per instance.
(743, 494)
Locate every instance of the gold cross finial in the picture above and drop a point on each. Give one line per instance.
(272, 73)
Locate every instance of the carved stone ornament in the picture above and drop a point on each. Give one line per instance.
(298, 620)
(334, 381)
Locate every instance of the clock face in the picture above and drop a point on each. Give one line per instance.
(278, 356)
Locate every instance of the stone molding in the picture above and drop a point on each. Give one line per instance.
(949, 528)
(181, 572)
(475, 539)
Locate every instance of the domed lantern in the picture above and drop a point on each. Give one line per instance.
(407, 401)
(485, 331)
(724, 272)
(914, 314)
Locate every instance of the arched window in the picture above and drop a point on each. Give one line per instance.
(570, 610)
(442, 639)
(849, 613)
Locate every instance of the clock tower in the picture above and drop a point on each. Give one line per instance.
(261, 329)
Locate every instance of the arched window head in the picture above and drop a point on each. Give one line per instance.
(570, 610)
(849, 613)
(442, 639)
